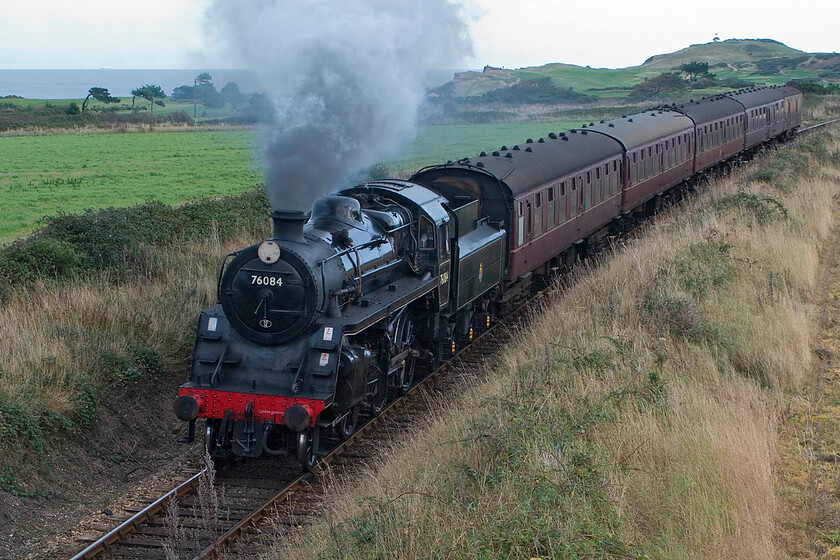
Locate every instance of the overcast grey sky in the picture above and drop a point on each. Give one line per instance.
(509, 33)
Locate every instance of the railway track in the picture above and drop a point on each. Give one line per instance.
(243, 495)
(228, 512)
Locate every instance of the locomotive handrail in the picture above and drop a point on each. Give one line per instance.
(381, 240)
(221, 273)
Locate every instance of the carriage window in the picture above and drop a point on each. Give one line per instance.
(563, 188)
(551, 194)
(538, 200)
(588, 176)
(597, 173)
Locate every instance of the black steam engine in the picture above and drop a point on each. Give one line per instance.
(331, 317)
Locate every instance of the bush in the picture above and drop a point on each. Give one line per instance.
(180, 117)
(664, 85)
(116, 241)
(765, 209)
(40, 258)
(814, 87)
(538, 90)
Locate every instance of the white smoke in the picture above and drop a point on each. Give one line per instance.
(345, 78)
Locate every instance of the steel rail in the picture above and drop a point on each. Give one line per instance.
(817, 127)
(131, 524)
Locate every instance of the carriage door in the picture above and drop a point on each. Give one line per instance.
(563, 203)
(583, 195)
(551, 207)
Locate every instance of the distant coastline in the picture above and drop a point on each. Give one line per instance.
(74, 84)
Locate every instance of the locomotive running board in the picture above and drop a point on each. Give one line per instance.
(381, 304)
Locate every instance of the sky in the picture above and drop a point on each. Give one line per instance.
(505, 33)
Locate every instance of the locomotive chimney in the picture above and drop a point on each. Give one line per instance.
(288, 226)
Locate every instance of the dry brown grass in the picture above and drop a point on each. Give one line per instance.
(97, 338)
(820, 108)
(637, 416)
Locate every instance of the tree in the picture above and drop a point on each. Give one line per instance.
(183, 93)
(100, 94)
(202, 80)
(663, 85)
(695, 69)
(151, 93)
(231, 94)
(202, 91)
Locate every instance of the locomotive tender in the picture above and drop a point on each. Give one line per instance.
(332, 315)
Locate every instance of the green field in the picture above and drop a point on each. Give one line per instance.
(45, 175)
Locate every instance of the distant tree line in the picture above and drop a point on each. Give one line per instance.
(201, 92)
(691, 75)
(537, 90)
(204, 92)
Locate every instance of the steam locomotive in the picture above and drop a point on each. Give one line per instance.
(333, 315)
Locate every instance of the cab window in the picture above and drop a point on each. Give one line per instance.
(443, 231)
(426, 237)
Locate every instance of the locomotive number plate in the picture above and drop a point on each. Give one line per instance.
(259, 280)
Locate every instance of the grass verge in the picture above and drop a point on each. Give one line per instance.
(99, 311)
(637, 415)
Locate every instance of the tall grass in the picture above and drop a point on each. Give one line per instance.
(636, 416)
(820, 108)
(83, 336)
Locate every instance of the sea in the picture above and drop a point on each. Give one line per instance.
(74, 84)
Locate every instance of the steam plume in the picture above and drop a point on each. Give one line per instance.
(345, 78)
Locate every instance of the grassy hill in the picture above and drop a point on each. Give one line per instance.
(762, 61)
(732, 51)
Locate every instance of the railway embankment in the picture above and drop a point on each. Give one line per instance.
(96, 327)
(663, 404)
